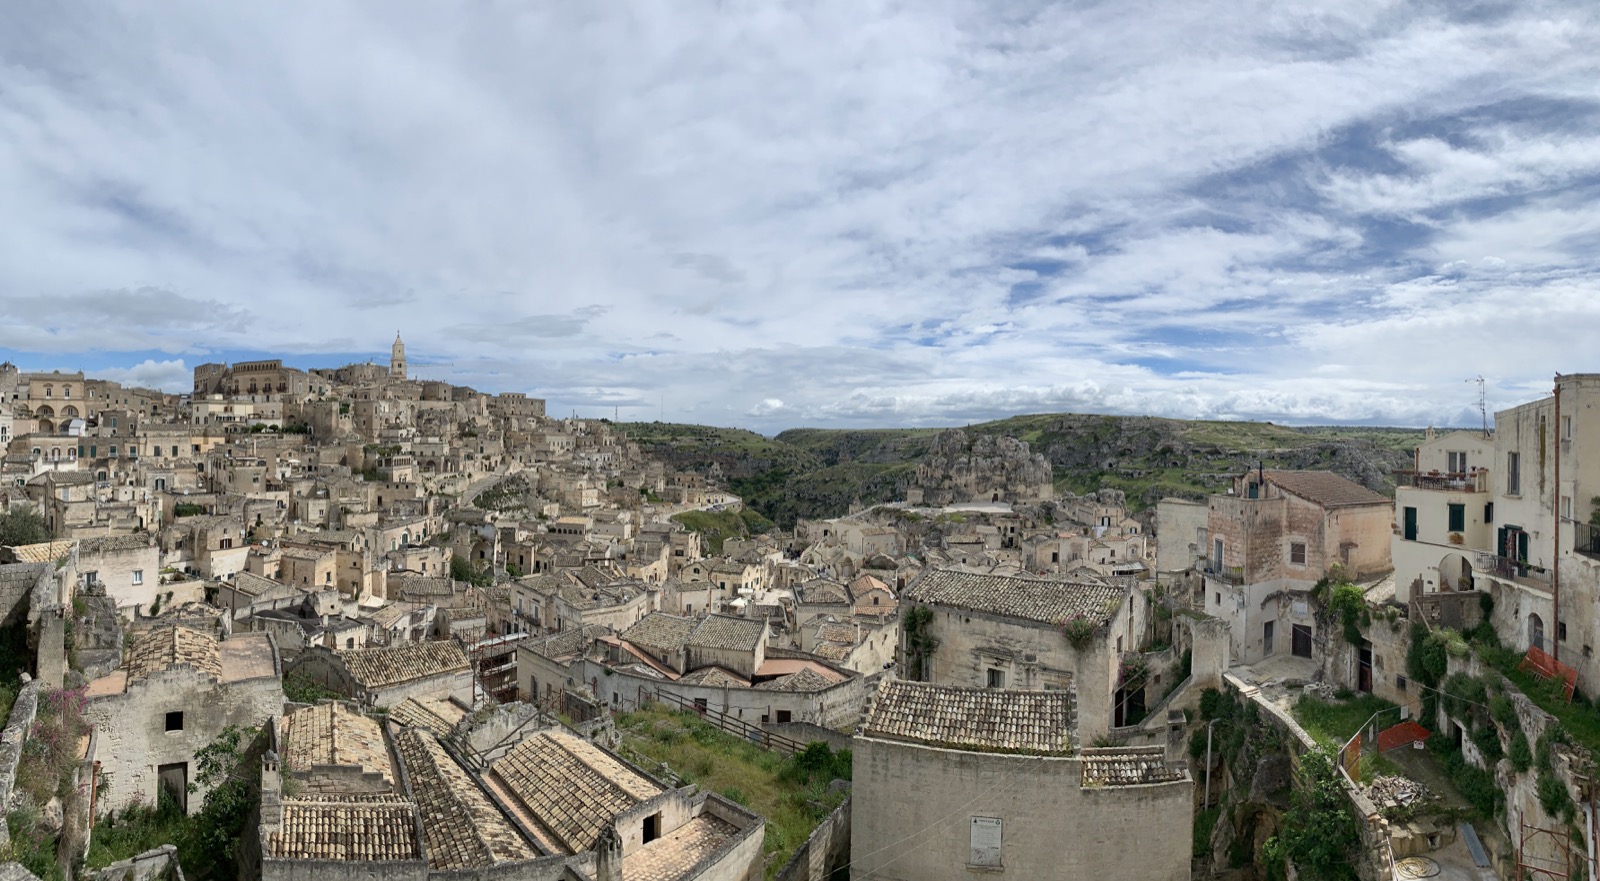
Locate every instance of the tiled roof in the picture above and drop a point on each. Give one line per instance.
(659, 630)
(1128, 766)
(412, 713)
(110, 544)
(833, 651)
(804, 680)
(724, 632)
(383, 667)
(44, 552)
(381, 828)
(981, 719)
(1034, 599)
(421, 586)
(333, 734)
(674, 855)
(166, 647)
(1325, 488)
(715, 677)
(571, 787)
(821, 592)
(460, 826)
(864, 583)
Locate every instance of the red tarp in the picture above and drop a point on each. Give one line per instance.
(1540, 662)
(1400, 735)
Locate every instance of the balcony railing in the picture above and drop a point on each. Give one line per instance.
(1230, 574)
(1452, 481)
(1586, 540)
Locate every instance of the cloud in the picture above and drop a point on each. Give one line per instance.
(168, 376)
(906, 214)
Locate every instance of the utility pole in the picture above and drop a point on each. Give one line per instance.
(1207, 803)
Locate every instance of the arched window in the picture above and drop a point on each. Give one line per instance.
(1536, 632)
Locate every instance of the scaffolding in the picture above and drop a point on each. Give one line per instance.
(1540, 868)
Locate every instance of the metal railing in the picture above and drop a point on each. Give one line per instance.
(732, 724)
(1456, 481)
(1230, 574)
(1586, 539)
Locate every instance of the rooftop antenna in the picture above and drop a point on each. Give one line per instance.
(1483, 406)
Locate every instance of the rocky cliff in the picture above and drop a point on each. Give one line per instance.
(959, 467)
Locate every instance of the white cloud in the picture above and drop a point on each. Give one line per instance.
(840, 211)
(168, 376)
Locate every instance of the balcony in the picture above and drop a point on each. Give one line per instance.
(1228, 574)
(1508, 569)
(1475, 481)
(1586, 540)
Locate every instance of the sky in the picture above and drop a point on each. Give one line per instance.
(857, 213)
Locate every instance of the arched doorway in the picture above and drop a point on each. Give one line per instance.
(1536, 632)
(1455, 573)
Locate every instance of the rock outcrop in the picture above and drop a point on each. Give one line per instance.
(988, 468)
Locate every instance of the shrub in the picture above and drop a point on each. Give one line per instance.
(1349, 605)
(1521, 755)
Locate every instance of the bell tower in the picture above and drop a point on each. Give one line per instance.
(397, 358)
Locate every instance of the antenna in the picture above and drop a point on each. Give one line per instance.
(1483, 407)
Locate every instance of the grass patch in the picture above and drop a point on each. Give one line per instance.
(790, 792)
(716, 527)
(1333, 722)
(125, 834)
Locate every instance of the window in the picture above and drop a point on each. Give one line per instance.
(1488, 512)
(997, 679)
(1399, 683)
(784, 716)
(138, 576)
(1513, 474)
(1458, 518)
(111, 450)
(1561, 631)
(1409, 524)
(1217, 597)
(175, 720)
(1566, 427)
(1457, 462)
(1297, 553)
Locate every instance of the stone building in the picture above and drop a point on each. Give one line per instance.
(1272, 538)
(178, 690)
(575, 798)
(1007, 632)
(129, 566)
(952, 782)
(1444, 514)
(383, 677)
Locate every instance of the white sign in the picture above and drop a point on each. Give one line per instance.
(986, 838)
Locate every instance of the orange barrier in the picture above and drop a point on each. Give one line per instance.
(1539, 662)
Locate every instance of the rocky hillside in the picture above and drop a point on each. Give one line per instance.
(821, 473)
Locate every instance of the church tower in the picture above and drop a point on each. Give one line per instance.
(397, 358)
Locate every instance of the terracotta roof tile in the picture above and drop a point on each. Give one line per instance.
(571, 787)
(167, 647)
(1035, 599)
(1128, 766)
(980, 719)
(364, 829)
(460, 826)
(383, 667)
(1325, 488)
(333, 734)
(724, 632)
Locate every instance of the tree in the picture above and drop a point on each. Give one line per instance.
(1320, 835)
(229, 767)
(20, 526)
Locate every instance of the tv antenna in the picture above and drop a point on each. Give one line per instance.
(1483, 406)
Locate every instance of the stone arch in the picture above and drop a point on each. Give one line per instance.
(45, 410)
(46, 426)
(1455, 573)
(1535, 631)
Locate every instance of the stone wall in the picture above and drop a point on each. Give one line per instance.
(23, 713)
(825, 852)
(914, 805)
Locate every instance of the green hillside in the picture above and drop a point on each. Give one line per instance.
(812, 472)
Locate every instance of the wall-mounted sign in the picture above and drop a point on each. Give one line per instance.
(986, 841)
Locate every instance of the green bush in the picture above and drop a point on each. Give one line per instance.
(1213, 705)
(1204, 822)
(1521, 755)
(1320, 836)
(1348, 604)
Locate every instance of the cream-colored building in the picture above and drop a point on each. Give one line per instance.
(1444, 514)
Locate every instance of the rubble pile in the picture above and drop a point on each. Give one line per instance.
(1395, 792)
